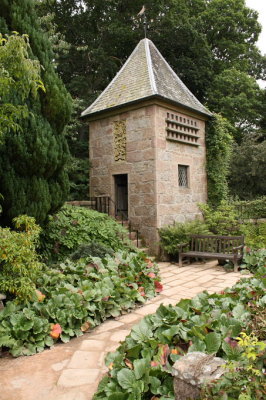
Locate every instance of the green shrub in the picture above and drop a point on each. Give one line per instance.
(254, 259)
(222, 220)
(73, 226)
(252, 209)
(255, 234)
(208, 323)
(246, 373)
(19, 264)
(91, 250)
(23, 331)
(178, 233)
(76, 297)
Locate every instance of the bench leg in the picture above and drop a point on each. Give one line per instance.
(235, 265)
(180, 261)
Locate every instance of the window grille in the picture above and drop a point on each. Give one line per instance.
(183, 175)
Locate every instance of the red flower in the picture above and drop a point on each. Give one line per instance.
(232, 343)
(141, 291)
(158, 286)
(154, 364)
(149, 263)
(56, 330)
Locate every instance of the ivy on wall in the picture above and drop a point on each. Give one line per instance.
(219, 149)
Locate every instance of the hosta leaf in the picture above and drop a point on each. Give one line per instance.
(118, 396)
(134, 351)
(49, 341)
(198, 331)
(26, 325)
(197, 345)
(7, 341)
(239, 312)
(138, 388)
(169, 333)
(64, 337)
(126, 379)
(140, 366)
(17, 351)
(213, 342)
(233, 353)
(141, 332)
(155, 384)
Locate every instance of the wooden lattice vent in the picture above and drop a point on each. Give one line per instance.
(182, 129)
(120, 140)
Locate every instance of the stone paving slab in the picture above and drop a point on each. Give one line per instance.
(73, 370)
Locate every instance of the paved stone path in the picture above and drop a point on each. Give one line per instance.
(73, 370)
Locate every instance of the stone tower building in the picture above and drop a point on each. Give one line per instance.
(147, 144)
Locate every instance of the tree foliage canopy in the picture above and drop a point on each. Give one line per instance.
(20, 75)
(211, 44)
(33, 180)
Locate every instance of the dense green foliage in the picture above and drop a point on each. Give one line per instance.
(247, 178)
(210, 44)
(74, 298)
(141, 366)
(74, 226)
(221, 220)
(173, 235)
(92, 249)
(219, 150)
(254, 259)
(255, 234)
(33, 180)
(252, 208)
(245, 373)
(19, 264)
(238, 98)
(19, 74)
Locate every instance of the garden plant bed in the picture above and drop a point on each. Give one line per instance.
(50, 374)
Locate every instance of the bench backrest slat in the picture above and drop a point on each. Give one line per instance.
(215, 243)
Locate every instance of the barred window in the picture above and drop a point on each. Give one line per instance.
(183, 175)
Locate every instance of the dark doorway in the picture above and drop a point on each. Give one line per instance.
(121, 195)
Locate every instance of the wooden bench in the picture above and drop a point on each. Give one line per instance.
(213, 246)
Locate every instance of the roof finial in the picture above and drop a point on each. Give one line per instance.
(140, 14)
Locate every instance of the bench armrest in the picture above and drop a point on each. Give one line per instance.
(181, 245)
(235, 249)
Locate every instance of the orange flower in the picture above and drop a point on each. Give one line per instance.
(56, 330)
(40, 295)
(174, 351)
(85, 327)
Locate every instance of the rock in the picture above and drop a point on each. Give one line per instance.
(192, 371)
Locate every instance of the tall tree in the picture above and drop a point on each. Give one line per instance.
(211, 44)
(33, 180)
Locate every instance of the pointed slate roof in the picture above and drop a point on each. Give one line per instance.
(145, 74)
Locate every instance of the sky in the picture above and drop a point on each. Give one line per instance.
(260, 6)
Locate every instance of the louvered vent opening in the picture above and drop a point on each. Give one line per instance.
(182, 129)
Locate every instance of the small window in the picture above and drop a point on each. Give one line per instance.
(183, 175)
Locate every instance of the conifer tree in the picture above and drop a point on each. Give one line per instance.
(33, 180)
